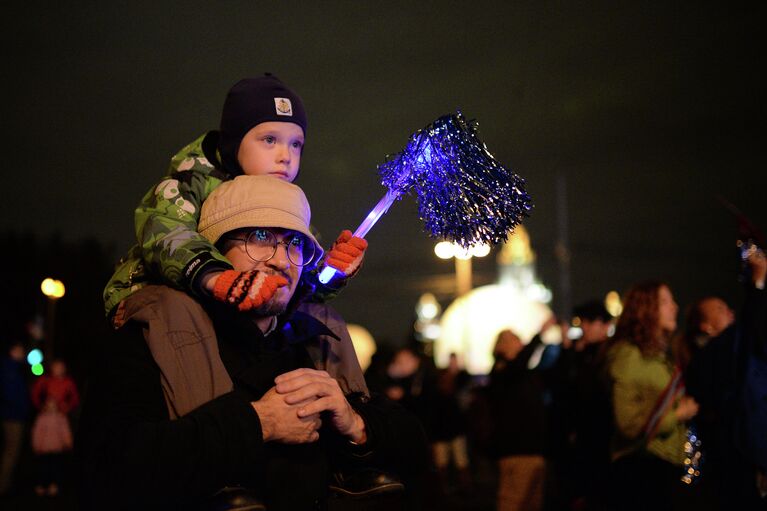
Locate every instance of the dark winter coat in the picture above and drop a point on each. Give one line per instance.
(517, 406)
(14, 390)
(134, 457)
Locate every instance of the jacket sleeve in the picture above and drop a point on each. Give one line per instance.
(166, 228)
(128, 447)
(527, 352)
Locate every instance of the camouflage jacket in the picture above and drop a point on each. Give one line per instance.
(169, 248)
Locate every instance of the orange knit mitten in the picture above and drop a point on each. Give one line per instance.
(248, 289)
(347, 253)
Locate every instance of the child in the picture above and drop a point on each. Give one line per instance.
(55, 396)
(263, 129)
(58, 387)
(51, 440)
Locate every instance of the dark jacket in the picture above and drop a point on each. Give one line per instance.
(582, 403)
(134, 457)
(728, 379)
(14, 390)
(517, 406)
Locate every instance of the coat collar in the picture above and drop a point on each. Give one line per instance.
(301, 327)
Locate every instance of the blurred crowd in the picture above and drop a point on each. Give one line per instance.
(633, 412)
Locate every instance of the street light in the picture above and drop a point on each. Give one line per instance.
(53, 290)
(462, 256)
(427, 325)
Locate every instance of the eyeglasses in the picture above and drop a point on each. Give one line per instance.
(261, 245)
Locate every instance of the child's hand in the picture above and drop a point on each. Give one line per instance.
(247, 290)
(347, 253)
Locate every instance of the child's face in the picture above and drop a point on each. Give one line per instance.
(58, 369)
(272, 149)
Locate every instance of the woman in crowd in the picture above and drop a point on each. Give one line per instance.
(649, 406)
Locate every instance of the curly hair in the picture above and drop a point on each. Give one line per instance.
(639, 323)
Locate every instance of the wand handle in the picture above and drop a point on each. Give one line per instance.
(382, 207)
(376, 213)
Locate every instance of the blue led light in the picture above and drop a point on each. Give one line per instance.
(326, 274)
(35, 357)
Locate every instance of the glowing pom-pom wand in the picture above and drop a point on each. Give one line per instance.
(464, 194)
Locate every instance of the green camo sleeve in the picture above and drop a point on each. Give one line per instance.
(166, 228)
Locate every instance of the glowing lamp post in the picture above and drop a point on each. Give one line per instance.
(446, 250)
(53, 290)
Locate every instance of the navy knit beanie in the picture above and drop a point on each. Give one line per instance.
(250, 102)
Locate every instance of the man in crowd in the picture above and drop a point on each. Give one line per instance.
(727, 375)
(14, 411)
(193, 398)
(583, 415)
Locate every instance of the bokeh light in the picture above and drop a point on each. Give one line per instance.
(35, 357)
(52, 288)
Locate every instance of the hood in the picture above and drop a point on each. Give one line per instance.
(200, 156)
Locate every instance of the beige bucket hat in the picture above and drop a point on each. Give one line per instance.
(256, 201)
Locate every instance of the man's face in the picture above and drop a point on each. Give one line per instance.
(17, 352)
(717, 316)
(594, 330)
(405, 364)
(272, 149)
(277, 265)
(508, 345)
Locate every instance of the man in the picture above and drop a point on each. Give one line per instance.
(519, 417)
(583, 416)
(14, 412)
(195, 397)
(727, 375)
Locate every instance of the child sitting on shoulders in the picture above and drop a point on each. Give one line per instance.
(263, 131)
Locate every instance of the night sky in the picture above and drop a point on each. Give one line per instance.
(646, 111)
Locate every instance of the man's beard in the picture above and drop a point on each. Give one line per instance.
(278, 303)
(272, 308)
